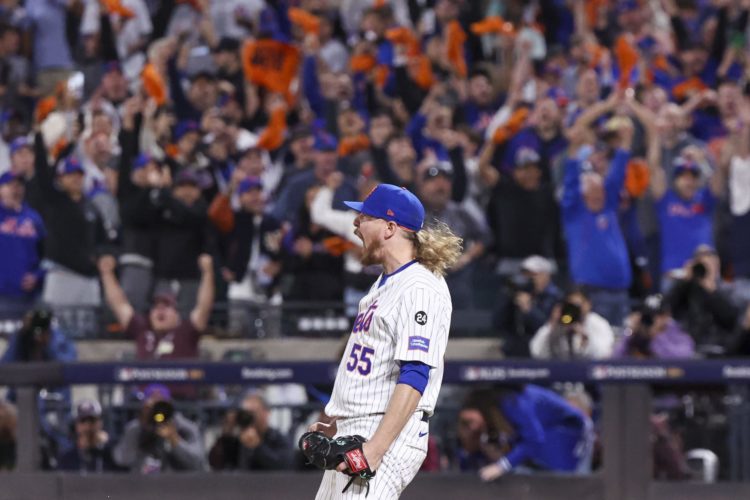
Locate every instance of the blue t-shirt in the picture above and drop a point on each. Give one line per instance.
(20, 234)
(51, 49)
(547, 428)
(685, 225)
(597, 252)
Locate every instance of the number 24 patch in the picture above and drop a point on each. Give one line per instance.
(360, 359)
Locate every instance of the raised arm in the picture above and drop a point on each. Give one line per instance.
(590, 115)
(113, 292)
(205, 299)
(657, 177)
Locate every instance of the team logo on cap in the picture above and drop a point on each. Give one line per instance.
(390, 213)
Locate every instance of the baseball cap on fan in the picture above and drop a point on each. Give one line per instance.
(88, 408)
(166, 298)
(392, 203)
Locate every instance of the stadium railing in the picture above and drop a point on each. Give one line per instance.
(248, 320)
(626, 407)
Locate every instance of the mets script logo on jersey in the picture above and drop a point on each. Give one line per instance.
(18, 227)
(363, 320)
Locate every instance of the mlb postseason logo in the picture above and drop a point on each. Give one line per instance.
(136, 374)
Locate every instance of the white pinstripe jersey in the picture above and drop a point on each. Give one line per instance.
(405, 317)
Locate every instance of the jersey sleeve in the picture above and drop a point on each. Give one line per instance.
(422, 326)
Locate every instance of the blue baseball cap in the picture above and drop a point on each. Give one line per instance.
(111, 66)
(628, 6)
(160, 390)
(249, 183)
(8, 177)
(526, 156)
(70, 166)
(683, 165)
(392, 203)
(20, 142)
(142, 160)
(185, 127)
(325, 142)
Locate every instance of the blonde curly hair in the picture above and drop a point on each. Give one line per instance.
(437, 248)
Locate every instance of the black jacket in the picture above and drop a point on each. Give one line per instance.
(139, 216)
(274, 453)
(182, 235)
(75, 232)
(93, 460)
(709, 317)
(524, 222)
(238, 242)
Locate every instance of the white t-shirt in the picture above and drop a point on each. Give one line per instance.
(598, 344)
(405, 316)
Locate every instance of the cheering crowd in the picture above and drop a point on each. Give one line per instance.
(161, 156)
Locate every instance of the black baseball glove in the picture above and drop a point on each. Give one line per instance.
(326, 453)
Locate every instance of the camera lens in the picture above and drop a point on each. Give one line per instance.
(245, 419)
(162, 412)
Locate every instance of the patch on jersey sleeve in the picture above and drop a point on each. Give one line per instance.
(417, 343)
(421, 318)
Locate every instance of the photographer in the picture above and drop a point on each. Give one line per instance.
(38, 340)
(573, 331)
(247, 442)
(92, 451)
(161, 439)
(653, 333)
(698, 302)
(526, 305)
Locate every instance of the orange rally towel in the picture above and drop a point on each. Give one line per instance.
(362, 63)
(171, 150)
(493, 24)
(592, 8)
(688, 87)
(351, 145)
(337, 246)
(421, 72)
(454, 40)
(44, 107)
(116, 7)
(154, 84)
(270, 63)
(309, 23)
(511, 127)
(381, 75)
(627, 58)
(273, 136)
(637, 177)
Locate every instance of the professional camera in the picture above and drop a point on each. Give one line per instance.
(161, 413)
(40, 322)
(32, 336)
(245, 419)
(521, 283)
(699, 271)
(570, 314)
